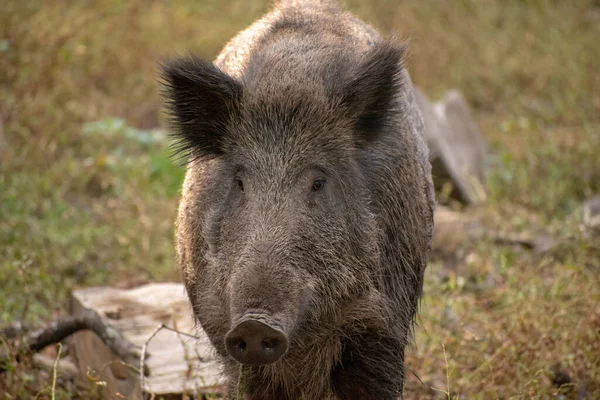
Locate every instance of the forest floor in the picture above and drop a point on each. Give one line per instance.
(88, 191)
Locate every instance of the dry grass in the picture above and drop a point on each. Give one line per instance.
(85, 204)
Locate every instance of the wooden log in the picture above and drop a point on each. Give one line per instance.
(452, 228)
(457, 148)
(176, 363)
(65, 368)
(58, 330)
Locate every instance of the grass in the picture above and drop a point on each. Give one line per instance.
(88, 192)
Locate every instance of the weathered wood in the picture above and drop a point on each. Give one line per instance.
(177, 364)
(452, 228)
(457, 148)
(591, 213)
(58, 330)
(65, 368)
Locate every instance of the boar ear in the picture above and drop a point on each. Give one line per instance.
(371, 93)
(200, 101)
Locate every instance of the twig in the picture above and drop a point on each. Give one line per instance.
(145, 347)
(62, 328)
(3, 143)
(54, 370)
(180, 333)
(447, 372)
(447, 391)
(143, 355)
(187, 358)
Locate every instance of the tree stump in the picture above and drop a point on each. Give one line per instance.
(177, 364)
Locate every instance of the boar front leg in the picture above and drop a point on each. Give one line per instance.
(372, 367)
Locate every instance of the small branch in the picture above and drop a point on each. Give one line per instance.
(145, 347)
(179, 332)
(143, 355)
(62, 328)
(55, 370)
(447, 373)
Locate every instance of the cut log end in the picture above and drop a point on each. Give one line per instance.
(177, 363)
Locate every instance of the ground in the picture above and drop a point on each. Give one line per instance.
(88, 190)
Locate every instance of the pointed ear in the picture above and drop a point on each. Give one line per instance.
(200, 101)
(371, 92)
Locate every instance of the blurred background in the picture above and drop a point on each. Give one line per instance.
(88, 191)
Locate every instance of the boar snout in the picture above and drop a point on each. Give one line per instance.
(256, 340)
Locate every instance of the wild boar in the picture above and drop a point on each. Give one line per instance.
(306, 214)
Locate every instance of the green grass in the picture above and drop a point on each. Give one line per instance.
(88, 192)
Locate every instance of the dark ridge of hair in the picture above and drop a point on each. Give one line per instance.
(371, 92)
(199, 101)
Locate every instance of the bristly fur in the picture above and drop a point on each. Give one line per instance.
(307, 93)
(373, 89)
(200, 101)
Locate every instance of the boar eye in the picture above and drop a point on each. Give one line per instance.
(239, 183)
(318, 184)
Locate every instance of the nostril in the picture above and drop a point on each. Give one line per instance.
(240, 344)
(270, 344)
